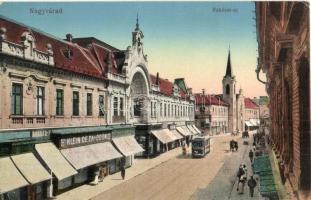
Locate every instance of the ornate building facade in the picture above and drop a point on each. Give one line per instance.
(283, 31)
(229, 112)
(64, 102)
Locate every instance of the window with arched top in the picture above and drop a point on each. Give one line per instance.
(227, 89)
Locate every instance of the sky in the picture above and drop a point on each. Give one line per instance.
(182, 39)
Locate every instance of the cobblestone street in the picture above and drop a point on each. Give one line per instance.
(212, 177)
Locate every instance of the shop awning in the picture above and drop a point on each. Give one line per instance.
(171, 134)
(177, 135)
(84, 156)
(248, 123)
(183, 131)
(163, 135)
(10, 178)
(187, 130)
(254, 122)
(31, 168)
(192, 130)
(127, 145)
(55, 160)
(196, 129)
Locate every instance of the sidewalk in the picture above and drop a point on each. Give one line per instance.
(224, 185)
(140, 166)
(284, 191)
(246, 196)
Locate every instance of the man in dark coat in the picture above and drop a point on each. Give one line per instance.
(123, 172)
(251, 155)
(122, 166)
(251, 184)
(236, 145)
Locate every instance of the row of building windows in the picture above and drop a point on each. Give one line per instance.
(219, 123)
(255, 112)
(169, 110)
(220, 110)
(17, 101)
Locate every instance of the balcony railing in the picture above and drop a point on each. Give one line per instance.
(20, 51)
(116, 77)
(27, 120)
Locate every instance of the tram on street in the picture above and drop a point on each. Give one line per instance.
(200, 146)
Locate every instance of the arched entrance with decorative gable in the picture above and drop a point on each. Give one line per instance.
(139, 95)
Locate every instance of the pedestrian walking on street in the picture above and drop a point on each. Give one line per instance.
(245, 169)
(251, 184)
(251, 155)
(240, 173)
(122, 167)
(123, 172)
(241, 183)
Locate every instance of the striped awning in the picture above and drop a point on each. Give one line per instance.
(248, 123)
(163, 135)
(127, 145)
(55, 160)
(183, 131)
(196, 129)
(10, 177)
(177, 135)
(194, 132)
(84, 156)
(31, 168)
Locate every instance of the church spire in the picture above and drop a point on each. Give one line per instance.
(229, 68)
(137, 23)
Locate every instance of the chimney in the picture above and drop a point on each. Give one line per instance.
(109, 61)
(157, 79)
(189, 90)
(69, 37)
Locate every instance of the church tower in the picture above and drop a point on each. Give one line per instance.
(229, 95)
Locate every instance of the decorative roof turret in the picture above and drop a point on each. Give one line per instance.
(137, 35)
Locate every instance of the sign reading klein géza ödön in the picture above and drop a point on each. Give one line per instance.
(86, 139)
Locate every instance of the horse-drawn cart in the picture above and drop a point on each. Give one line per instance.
(233, 145)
